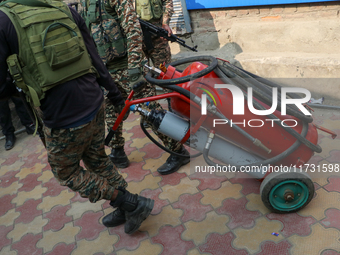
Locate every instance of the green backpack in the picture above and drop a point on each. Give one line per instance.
(51, 48)
(102, 20)
(149, 9)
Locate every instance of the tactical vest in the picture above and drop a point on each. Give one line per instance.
(149, 9)
(102, 20)
(51, 48)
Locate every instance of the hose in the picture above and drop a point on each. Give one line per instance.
(332, 107)
(234, 75)
(163, 147)
(291, 131)
(272, 160)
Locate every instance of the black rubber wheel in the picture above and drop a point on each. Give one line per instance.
(287, 192)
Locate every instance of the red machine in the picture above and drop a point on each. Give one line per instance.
(240, 145)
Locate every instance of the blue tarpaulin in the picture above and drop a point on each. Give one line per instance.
(209, 4)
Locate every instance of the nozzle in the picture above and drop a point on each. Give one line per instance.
(153, 70)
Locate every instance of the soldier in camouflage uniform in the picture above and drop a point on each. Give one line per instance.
(126, 71)
(73, 110)
(161, 52)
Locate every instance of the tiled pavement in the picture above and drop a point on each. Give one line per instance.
(192, 214)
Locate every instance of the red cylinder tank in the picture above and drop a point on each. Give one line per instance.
(271, 135)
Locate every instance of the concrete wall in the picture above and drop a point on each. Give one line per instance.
(289, 41)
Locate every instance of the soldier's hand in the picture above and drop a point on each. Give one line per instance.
(168, 29)
(119, 108)
(136, 79)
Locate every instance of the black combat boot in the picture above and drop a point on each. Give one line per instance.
(119, 158)
(173, 163)
(10, 141)
(136, 208)
(114, 219)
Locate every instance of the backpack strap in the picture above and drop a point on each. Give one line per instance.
(16, 72)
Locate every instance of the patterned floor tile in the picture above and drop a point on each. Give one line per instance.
(185, 186)
(8, 219)
(96, 246)
(149, 182)
(53, 188)
(30, 182)
(153, 163)
(137, 156)
(27, 245)
(7, 251)
(216, 197)
(79, 208)
(220, 245)
(146, 247)
(239, 216)
(46, 176)
(90, 226)
(28, 211)
(62, 248)
(6, 203)
(251, 239)
(168, 216)
(57, 218)
(151, 151)
(21, 229)
(49, 202)
(255, 204)
(320, 239)
(333, 185)
(192, 208)
(36, 169)
(11, 189)
(270, 248)
(7, 168)
(250, 185)
(135, 172)
(208, 181)
(128, 242)
(8, 178)
(197, 231)
(170, 238)
(320, 203)
(51, 238)
(332, 219)
(4, 240)
(171, 179)
(293, 223)
(139, 142)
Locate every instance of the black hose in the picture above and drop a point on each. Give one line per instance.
(163, 147)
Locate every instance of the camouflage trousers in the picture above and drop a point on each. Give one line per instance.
(67, 147)
(161, 52)
(121, 78)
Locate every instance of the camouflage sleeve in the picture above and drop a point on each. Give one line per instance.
(168, 10)
(131, 29)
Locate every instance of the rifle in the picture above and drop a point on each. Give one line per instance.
(150, 29)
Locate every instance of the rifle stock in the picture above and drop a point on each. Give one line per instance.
(150, 29)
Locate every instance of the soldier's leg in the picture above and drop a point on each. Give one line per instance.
(66, 147)
(161, 52)
(117, 155)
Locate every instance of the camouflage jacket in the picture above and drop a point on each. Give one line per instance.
(131, 30)
(168, 10)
